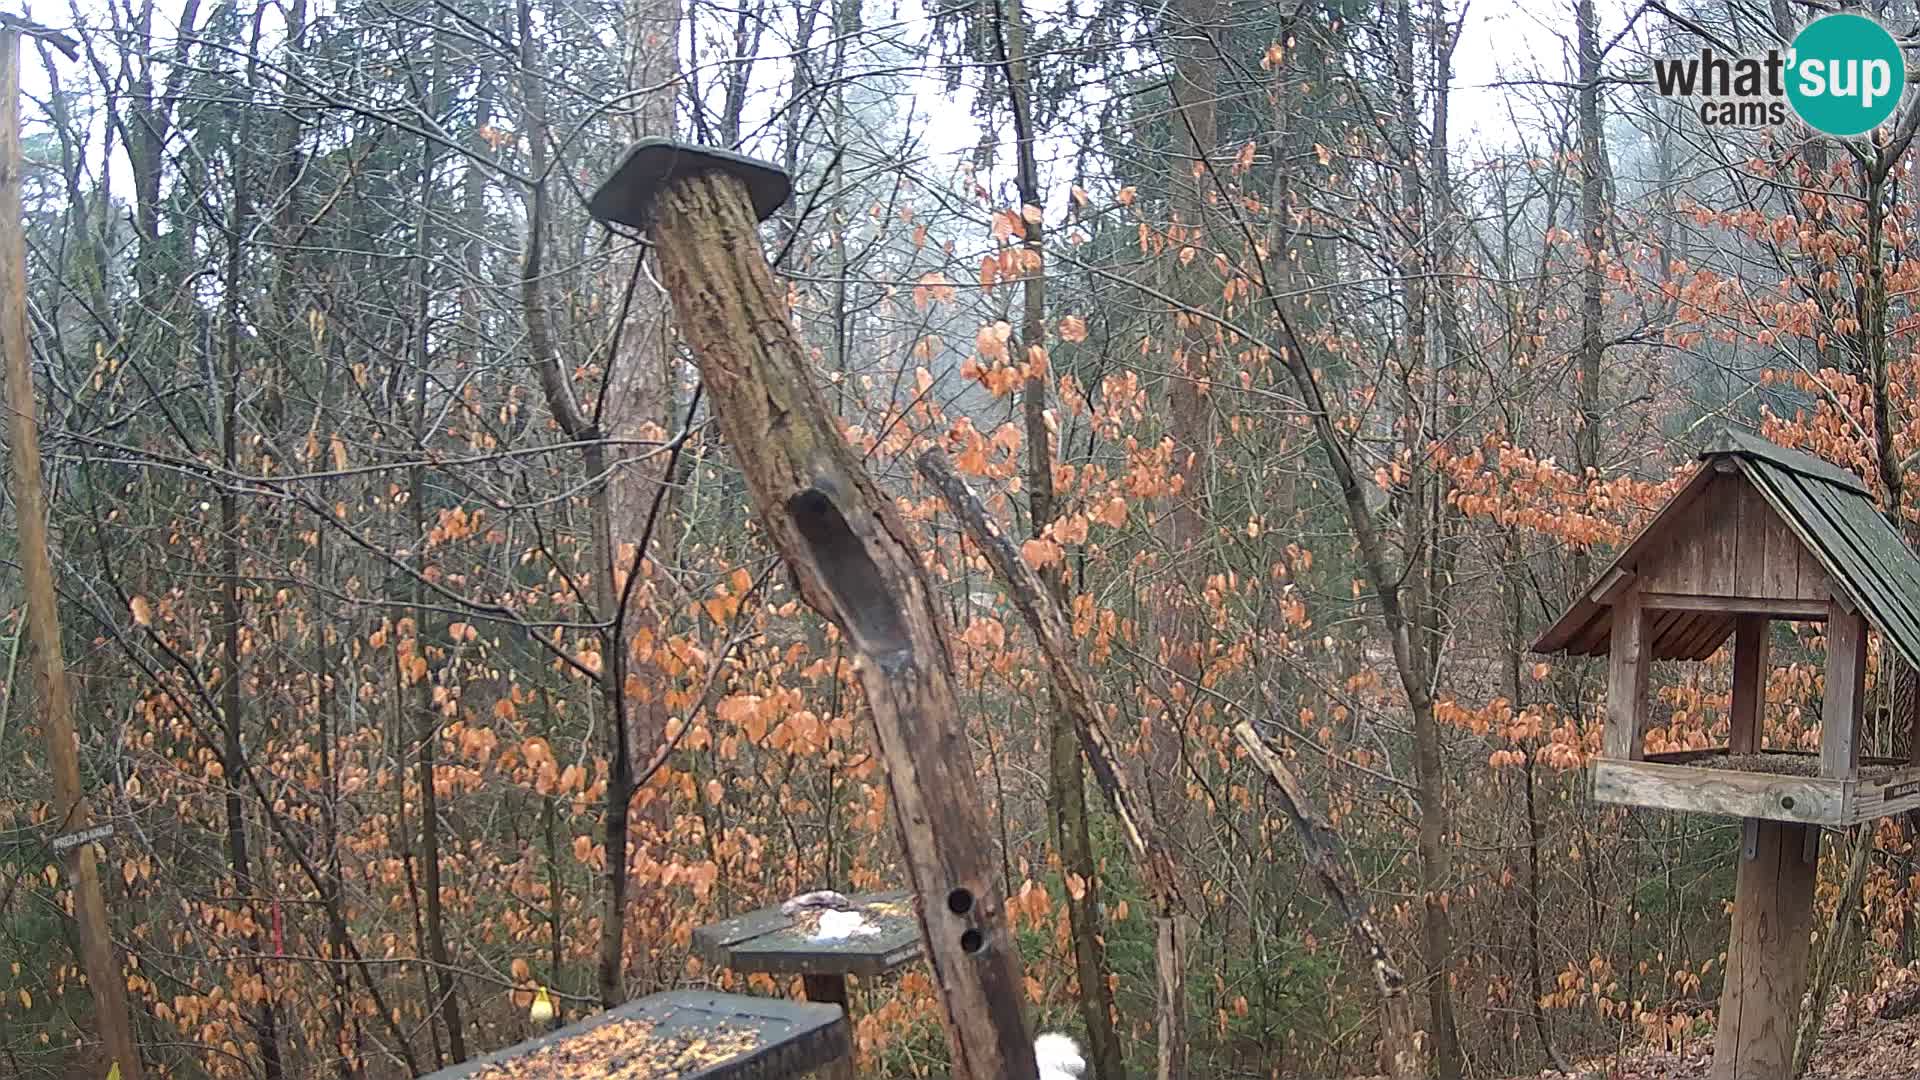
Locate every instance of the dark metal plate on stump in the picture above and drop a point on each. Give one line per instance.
(651, 164)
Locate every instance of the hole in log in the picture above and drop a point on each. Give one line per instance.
(849, 573)
(972, 941)
(1786, 802)
(959, 901)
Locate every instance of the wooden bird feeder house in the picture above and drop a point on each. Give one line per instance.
(1758, 533)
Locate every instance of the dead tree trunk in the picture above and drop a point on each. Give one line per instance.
(847, 548)
(71, 814)
(1322, 848)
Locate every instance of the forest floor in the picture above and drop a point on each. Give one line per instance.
(1852, 1047)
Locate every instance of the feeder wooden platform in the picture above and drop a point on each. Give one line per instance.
(767, 940)
(1775, 785)
(678, 1035)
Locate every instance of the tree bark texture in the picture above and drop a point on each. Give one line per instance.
(71, 813)
(1078, 698)
(849, 553)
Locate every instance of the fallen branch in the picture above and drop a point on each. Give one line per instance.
(1076, 692)
(1321, 845)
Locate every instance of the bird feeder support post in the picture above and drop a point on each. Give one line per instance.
(1768, 947)
(828, 989)
(831, 989)
(1766, 953)
(1627, 660)
(847, 548)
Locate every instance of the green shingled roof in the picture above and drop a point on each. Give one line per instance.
(1833, 513)
(1829, 509)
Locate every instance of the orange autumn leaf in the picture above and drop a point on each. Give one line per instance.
(931, 288)
(1071, 529)
(142, 611)
(991, 340)
(1073, 328)
(1041, 553)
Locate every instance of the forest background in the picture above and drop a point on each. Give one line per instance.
(426, 651)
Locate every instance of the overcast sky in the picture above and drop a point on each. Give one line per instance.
(1504, 40)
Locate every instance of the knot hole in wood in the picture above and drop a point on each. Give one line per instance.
(860, 591)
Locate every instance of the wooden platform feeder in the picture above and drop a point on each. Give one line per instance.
(1758, 533)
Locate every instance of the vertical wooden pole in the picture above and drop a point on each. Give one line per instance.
(1913, 731)
(1628, 655)
(832, 990)
(1845, 691)
(1766, 954)
(1749, 684)
(43, 616)
(848, 549)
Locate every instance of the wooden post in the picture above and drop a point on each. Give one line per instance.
(1749, 684)
(1845, 692)
(846, 546)
(1766, 954)
(1627, 660)
(832, 990)
(71, 814)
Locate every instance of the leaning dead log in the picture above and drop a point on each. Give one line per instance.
(1075, 688)
(1322, 848)
(849, 555)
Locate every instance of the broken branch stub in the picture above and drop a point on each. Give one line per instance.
(848, 552)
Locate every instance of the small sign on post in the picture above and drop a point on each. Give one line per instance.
(84, 836)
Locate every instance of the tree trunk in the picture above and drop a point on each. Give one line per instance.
(845, 543)
(1066, 796)
(638, 406)
(1586, 440)
(1419, 619)
(232, 710)
(609, 680)
(97, 954)
(1196, 127)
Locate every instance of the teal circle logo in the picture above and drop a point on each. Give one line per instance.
(1845, 74)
